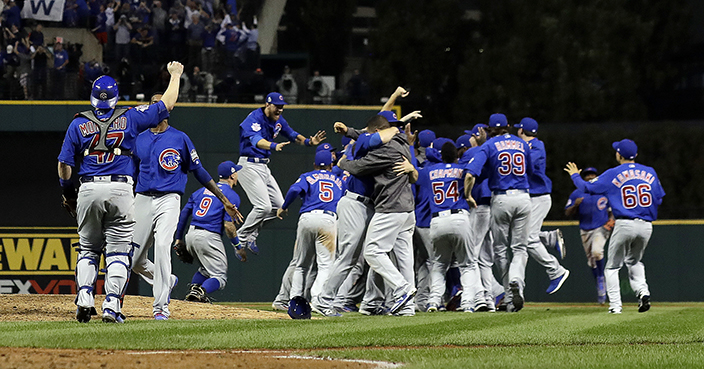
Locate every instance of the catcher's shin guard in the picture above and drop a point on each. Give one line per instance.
(86, 276)
(117, 273)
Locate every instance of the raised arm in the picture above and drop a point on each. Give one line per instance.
(171, 94)
(400, 92)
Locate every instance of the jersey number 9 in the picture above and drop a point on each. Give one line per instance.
(512, 163)
(204, 206)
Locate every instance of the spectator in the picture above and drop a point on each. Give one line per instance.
(96, 7)
(208, 53)
(36, 38)
(251, 56)
(10, 62)
(287, 86)
(357, 89)
(159, 17)
(39, 81)
(12, 34)
(194, 40)
(318, 89)
(122, 38)
(70, 14)
(83, 13)
(143, 44)
(143, 13)
(100, 30)
(25, 58)
(91, 71)
(232, 43)
(12, 15)
(59, 75)
(191, 10)
(176, 36)
(201, 84)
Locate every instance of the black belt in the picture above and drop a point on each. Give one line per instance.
(503, 192)
(452, 211)
(113, 178)
(538, 194)
(199, 227)
(154, 193)
(328, 212)
(258, 160)
(627, 218)
(360, 198)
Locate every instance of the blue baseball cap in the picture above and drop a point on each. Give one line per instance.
(324, 146)
(345, 141)
(426, 137)
(226, 168)
(588, 170)
(528, 125)
(627, 148)
(438, 142)
(276, 99)
(475, 130)
(323, 158)
(463, 141)
(389, 115)
(498, 120)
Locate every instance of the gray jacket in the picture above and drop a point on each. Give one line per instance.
(392, 193)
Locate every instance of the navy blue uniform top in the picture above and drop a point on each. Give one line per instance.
(507, 160)
(445, 183)
(207, 210)
(422, 197)
(480, 192)
(593, 212)
(320, 190)
(633, 190)
(539, 182)
(83, 135)
(256, 127)
(361, 185)
(164, 161)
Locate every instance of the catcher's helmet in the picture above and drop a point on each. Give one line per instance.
(104, 93)
(299, 308)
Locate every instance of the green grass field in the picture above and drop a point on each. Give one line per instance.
(540, 336)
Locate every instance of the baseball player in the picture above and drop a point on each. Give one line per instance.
(507, 161)
(204, 237)
(391, 226)
(595, 226)
(165, 157)
(317, 225)
(634, 192)
(450, 231)
(540, 189)
(257, 134)
(100, 143)
(425, 138)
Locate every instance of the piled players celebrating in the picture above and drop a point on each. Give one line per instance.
(390, 227)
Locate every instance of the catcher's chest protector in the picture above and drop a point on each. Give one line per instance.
(103, 128)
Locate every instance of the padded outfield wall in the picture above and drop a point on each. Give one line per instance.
(35, 233)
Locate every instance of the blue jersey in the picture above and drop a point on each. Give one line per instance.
(344, 176)
(320, 190)
(84, 135)
(507, 160)
(164, 161)
(480, 192)
(445, 183)
(256, 127)
(423, 195)
(360, 185)
(593, 211)
(633, 190)
(539, 182)
(207, 210)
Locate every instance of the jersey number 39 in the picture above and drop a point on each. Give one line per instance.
(512, 163)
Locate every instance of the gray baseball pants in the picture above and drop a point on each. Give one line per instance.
(540, 206)
(157, 219)
(209, 251)
(315, 243)
(480, 223)
(627, 245)
(423, 247)
(594, 241)
(104, 225)
(263, 192)
(510, 217)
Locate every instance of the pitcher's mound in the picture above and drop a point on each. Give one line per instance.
(60, 307)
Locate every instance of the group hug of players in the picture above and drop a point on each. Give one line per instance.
(385, 224)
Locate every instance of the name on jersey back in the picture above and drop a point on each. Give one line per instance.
(89, 127)
(324, 176)
(509, 145)
(446, 173)
(632, 174)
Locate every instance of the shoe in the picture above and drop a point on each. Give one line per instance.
(402, 301)
(332, 313)
(349, 309)
(560, 245)
(516, 298)
(379, 310)
(174, 282)
(83, 314)
(499, 301)
(644, 303)
(278, 305)
(556, 283)
(600, 290)
(252, 246)
(480, 308)
(455, 301)
(614, 311)
(160, 316)
(110, 316)
(432, 308)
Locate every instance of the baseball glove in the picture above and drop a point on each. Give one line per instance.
(610, 225)
(182, 252)
(69, 199)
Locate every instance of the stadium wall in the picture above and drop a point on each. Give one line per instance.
(36, 234)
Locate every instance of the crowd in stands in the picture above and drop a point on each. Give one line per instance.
(220, 52)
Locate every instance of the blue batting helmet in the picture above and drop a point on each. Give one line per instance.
(104, 93)
(299, 308)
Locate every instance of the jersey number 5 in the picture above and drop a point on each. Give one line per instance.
(204, 206)
(325, 189)
(515, 164)
(439, 193)
(632, 196)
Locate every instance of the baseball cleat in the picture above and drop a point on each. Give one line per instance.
(644, 303)
(517, 299)
(332, 312)
(349, 309)
(455, 301)
(481, 307)
(499, 301)
(160, 316)
(556, 283)
(278, 305)
(110, 316)
(252, 246)
(432, 308)
(614, 311)
(560, 244)
(83, 314)
(379, 310)
(402, 301)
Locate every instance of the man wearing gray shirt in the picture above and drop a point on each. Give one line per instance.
(391, 226)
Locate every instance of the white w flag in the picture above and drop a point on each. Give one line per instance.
(48, 10)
